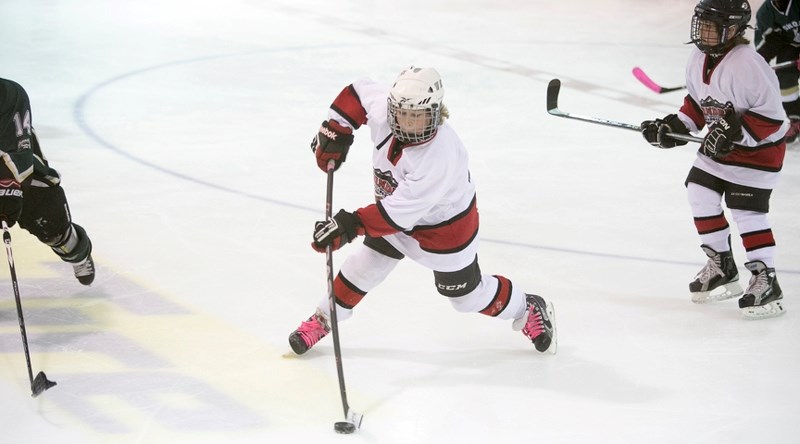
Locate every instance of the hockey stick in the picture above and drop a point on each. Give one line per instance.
(40, 383)
(658, 89)
(352, 420)
(648, 82)
(554, 87)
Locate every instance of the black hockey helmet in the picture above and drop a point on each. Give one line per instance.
(730, 17)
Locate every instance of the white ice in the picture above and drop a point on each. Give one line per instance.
(181, 130)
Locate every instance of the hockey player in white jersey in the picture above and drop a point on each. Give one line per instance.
(735, 93)
(425, 209)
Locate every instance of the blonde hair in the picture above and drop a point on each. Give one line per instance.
(444, 113)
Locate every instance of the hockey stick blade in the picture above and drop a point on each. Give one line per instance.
(40, 384)
(648, 82)
(553, 89)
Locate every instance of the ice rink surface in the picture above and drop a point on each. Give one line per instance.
(181, 131)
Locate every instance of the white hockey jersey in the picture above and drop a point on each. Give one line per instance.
(425, 199)
(741, 82)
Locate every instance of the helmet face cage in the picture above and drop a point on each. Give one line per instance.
(414, 106)
(716, 23)
(413, 123)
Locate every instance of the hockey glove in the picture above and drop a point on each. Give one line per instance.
(10, 201)
(340, 230)
(655, 131)
(721, 136)
(331, 143)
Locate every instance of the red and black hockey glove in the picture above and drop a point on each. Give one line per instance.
(655, 131)
(721, 136)
(331, 143)
(10, 201)
(340, 230)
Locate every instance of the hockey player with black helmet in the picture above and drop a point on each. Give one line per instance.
(425, 209)
(30, 190)
(734, 92)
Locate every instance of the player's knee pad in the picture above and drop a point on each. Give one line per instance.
(455, 284)
(45, 214)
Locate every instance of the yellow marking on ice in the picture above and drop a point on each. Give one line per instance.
(210, 355)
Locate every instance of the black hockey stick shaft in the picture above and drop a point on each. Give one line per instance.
(40, 383)
(553, 89)
(337, 350)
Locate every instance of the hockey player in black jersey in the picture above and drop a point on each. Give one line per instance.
(777, 36)
(30, 190)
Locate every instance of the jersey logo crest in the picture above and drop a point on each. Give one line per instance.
(385, 183)
(713, 109)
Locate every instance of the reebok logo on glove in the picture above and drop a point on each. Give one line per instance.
(328, 133)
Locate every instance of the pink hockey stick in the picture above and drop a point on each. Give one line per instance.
(648, 82)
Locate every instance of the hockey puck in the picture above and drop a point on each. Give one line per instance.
(344, 427)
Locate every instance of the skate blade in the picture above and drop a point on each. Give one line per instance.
(727, 291)
(771, 310)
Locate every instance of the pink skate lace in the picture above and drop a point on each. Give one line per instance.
(312, 330)
(535, 326)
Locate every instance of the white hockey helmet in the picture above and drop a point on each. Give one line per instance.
(416, 89)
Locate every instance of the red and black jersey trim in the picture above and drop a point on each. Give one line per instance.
(758, 126)
(376, 222)
(450, 236)
(693, 111)
(348, 105)
(709, 65)
(397, 147)
(767, 157)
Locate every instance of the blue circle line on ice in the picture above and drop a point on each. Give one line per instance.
(79, 115)
(83, 124)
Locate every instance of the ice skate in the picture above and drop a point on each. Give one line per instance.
(718, 280)
(309, 332)
(538, 324)
(764, 297)
(84, 270)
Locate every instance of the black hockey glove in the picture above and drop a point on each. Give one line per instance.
(655, 131)
(340, 230)
(10, 201)
(331, 143)
(721, 136)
